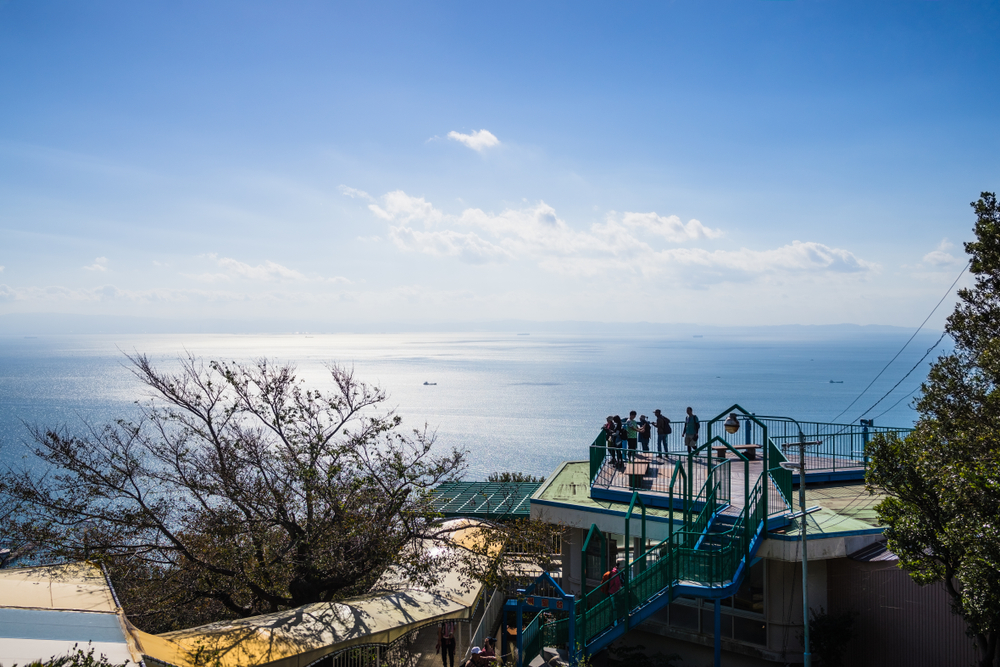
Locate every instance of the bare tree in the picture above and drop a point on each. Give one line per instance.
(237, 491)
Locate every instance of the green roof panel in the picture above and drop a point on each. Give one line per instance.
(484, 500)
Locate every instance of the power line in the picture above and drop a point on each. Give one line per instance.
(915, 366)
(889, 409)
(961, 273)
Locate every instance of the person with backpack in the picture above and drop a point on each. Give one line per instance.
(645, 431)
(611, 583)
(691, 428)
(662, 431)
(618, 436)
(446, 642)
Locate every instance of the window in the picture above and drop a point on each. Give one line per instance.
(742, 614)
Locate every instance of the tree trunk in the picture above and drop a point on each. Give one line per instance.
(988, 649)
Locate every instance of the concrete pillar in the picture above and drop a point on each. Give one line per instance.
(572, 543)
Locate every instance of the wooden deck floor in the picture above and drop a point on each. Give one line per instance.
(734, 475)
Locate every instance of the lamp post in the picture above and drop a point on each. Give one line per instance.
(801, 467)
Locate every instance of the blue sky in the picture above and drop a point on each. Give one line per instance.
(714, 163)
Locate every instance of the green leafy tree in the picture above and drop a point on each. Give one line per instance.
(76, 658)
(942, 510)
(514, 478)
(239, 491)
(830, 635)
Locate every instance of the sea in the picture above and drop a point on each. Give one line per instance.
(514, 401)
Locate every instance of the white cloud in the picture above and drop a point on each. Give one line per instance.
(100, 264)
(670, 227)
(940, 257)
(479, 140)
(401, 207)
(354, 193)
(467, 247)
(268, 271)
(628, 244)
(233, 269)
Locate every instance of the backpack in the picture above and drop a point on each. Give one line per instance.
(604, 582)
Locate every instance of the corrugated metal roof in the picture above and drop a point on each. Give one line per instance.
(298, 637)
(70, 626)
(77, 586)
(47, 611)
(484, 500)
(873, 552)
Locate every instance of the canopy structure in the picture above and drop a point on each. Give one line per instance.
(45, 611)
(299, 637)
(484, 500)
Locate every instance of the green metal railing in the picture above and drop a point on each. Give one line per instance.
(842, 446)
(598, 454)
(782, 478)
(709, 549)
(694, 555)
(532, 637)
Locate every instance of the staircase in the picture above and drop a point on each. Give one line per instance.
(707, 556)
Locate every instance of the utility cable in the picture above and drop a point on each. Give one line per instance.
(889, 409)
(908, 373)
(961, 273)
(846, 427)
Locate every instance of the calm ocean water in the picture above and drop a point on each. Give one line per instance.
(515, 402)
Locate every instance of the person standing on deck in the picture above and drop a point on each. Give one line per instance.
(618, 438)
(691, 428)
(645, 430)
(662, 431)
(632, 433)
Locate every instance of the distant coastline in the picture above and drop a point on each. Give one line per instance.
(35, 324)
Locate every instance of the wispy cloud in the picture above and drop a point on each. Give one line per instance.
(354, 193)
(669, 227)
(401, 207)
(940, 257)
(623, 244)
(468, 247)
(479, 140)
(100, 264)
(268, 271)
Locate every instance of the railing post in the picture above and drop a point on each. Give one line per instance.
(865, 423)
(746, 508)
(571, 630)
(765, 445)
(520, 633)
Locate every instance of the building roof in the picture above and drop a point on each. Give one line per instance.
(76, 586)
(877, 552)
(45, 611)
(300, 636)
(845, 508)
(570, 484)
(484, 500)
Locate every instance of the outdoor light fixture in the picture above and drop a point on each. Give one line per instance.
(732, 425)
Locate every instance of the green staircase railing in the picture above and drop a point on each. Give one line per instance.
(695, 555)
(709, 551)
(704, 552)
